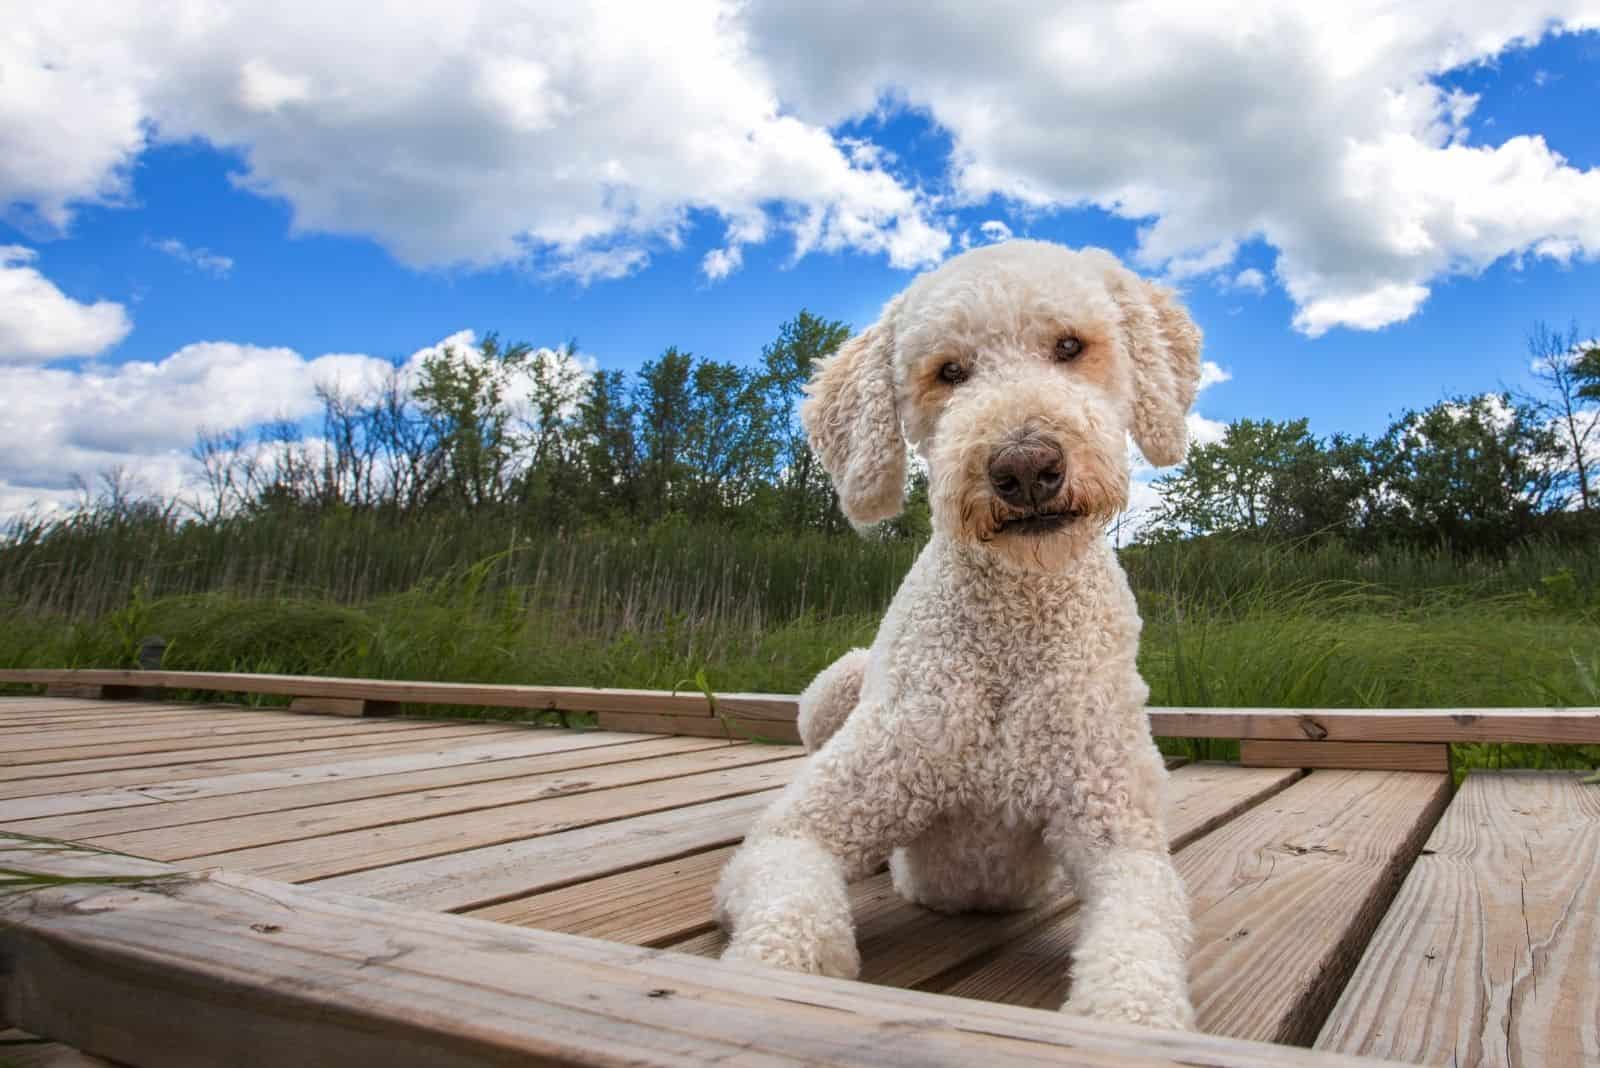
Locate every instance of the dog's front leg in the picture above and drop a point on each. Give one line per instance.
(1130, 962)
(782, 898)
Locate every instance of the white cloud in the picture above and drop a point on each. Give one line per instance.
(1249, 280)
(1319, 130)
(60, 426)
(586, 136)
(581, 137)
(38, 322)
(202, 259)
(994, 230)
(1213, 374)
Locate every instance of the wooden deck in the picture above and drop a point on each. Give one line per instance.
(300, 867)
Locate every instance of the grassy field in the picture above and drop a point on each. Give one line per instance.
(1226, 623)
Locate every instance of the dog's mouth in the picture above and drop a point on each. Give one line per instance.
(1038, 522)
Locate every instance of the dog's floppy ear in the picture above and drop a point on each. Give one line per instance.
(1165, 346)
(850, 417)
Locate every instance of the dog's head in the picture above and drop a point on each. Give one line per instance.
(1017, 371)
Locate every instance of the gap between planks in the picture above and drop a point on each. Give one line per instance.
(442, 814)
(1487, 956)
(176, 805)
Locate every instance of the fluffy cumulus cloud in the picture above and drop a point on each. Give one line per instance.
(61, 427)
(580, 137)
(1320, 130)
(38, 322)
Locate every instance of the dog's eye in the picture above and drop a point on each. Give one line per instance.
(1068, 348)
(953, 373)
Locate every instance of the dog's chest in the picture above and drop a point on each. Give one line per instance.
(1034, 679)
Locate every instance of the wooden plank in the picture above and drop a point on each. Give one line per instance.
(1531, 725)
(18, 762)
(31, 779)
(904, 944)
(479, 877)
(139, 719)
(522, 795)
(299, 796)
(477, 747)
(559, 698)
(1378, 756)
(336, 854)
(199, 730)
(53, 779)
(343, 706)
(730, 727)
(1283, 899)
(109, 712)
(1458, 725)
(233, 970)
(653, 905)
(1487, 956)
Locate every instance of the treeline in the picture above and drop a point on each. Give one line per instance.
(532, 436)
(1472, 474)
(509, 437)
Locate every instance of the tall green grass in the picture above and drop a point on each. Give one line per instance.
(1227, 623)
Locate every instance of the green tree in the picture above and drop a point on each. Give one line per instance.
(662, 394)
(606, 445)
(1263, 478)
(465, 394)
(805, 496)
(1472, 473)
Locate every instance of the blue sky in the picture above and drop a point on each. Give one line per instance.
(1363, 215)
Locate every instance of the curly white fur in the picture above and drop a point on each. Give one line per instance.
(994, 737)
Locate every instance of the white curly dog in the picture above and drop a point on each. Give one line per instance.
(994, 738)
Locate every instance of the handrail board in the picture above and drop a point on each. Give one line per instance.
(222, 969)
(1524, 725)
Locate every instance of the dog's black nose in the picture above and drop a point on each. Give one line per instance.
(1026, 474)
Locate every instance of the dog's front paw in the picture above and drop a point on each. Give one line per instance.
(815, 953)
(1170, 1011)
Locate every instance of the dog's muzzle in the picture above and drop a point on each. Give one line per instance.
(1027, 476)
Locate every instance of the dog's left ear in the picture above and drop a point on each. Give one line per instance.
(1165, 345)
(850, 418)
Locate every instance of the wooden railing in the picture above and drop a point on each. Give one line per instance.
(1396, 739)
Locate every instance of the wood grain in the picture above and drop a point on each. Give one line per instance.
(559, 698)
(156, 768)
(485, 747)
(530, 797)
(533, 772)
(480, 877)
(736, 728)
(34, 746)
(19, 760)
(1283, 900)
(1377, 756)
(1488, 955)
(1531, 725)
(651, 906)
(904, 944)
(233, 970)
(377, 732)
(350, 851)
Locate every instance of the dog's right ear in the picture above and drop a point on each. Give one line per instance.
(850, 417)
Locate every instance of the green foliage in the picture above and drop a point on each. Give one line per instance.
(1473, 474)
